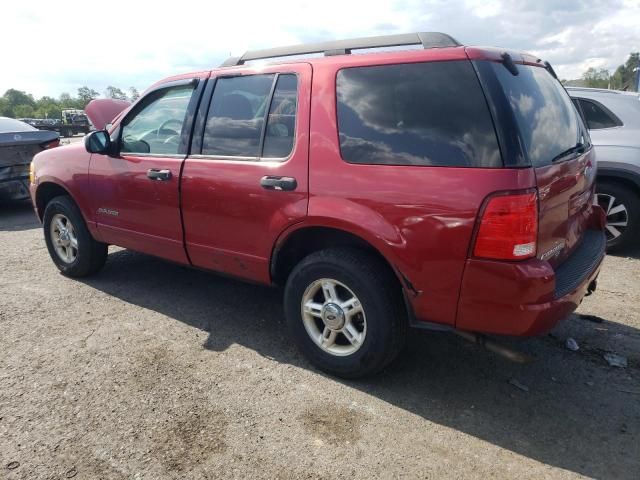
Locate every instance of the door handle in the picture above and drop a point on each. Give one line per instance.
(160, 175)
(286, 184)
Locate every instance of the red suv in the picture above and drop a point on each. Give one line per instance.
(438, 187)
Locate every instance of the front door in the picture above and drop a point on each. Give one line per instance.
(136, 188)
(246, 179)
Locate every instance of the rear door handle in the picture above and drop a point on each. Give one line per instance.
(160, 175)
(279, 183)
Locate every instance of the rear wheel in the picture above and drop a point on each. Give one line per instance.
(70, 245)
(622, 207)
(345, 311)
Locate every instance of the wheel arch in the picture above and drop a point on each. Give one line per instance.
(304, 239)
(623, 177)
(49, 188)
(45, 192)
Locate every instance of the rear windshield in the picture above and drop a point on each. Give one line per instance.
(11, 125)
(428, 114)
(547, 120)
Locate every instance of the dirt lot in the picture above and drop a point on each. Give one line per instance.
(150, 370)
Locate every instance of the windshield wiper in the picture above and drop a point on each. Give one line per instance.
(577, 148)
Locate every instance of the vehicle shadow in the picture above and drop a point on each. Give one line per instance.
(578, 413)
(633, 252)
(17, 216)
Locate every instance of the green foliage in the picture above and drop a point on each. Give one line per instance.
(47, 107)
(23, 111)
(115, 93)
(17, 97)
(86, 94)
(18, 104)
(596, 78)
(625, 76)
(5, 110)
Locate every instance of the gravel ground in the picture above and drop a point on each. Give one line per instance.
(151, 370)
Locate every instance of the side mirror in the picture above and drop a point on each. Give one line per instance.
(97, 142)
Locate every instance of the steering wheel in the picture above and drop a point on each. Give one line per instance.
(169, 131)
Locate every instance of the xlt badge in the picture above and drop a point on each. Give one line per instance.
(108, 211)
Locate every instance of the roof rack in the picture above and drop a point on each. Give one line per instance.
(344, 47)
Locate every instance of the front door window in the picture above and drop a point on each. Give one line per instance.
(156, 128)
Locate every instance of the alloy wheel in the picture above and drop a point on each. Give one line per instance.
(617, 215)
(63, 238)
(333, 317)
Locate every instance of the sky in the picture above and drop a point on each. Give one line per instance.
(47, 51)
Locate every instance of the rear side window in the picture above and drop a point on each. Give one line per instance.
(597, 116)
(547, 120)
(429, 114)
(239, 108)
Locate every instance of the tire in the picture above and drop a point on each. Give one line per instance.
(88, 256)
(622, 205)
(377, 334)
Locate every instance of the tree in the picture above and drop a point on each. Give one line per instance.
(13, 98)
(133, 94)
(596, 78)
(18, 97)
(115, 93)
(47, 107)
(65, 100)
(23, 111)
(5, 111)
(86, 94)
(625, 76)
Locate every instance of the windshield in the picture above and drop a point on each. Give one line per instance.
(547, 120)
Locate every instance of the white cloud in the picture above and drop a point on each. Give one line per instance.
(48, 50)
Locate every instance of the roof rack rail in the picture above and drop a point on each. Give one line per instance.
(344, 47)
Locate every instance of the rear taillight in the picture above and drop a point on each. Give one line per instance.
(51, 144)
(508, 228)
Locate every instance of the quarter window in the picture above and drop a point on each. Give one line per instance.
(239, 107)
(431, 114)
(278, 139)
(157, 127)
(597, 117)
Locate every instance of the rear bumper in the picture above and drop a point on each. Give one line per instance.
(527, 298)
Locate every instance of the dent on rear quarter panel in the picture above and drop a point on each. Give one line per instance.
(421, 219)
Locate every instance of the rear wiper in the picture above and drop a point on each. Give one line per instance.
(577, 148)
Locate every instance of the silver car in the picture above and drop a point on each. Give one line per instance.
(613, 119)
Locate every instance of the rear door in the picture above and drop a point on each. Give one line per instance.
(558, 147)
(246, 179)
(136, 188)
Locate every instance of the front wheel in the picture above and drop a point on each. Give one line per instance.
(344, 308)
(70, 245)
(622, 207)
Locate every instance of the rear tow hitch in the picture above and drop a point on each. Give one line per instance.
(495, 347)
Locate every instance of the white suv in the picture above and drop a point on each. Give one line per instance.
(613, 119)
